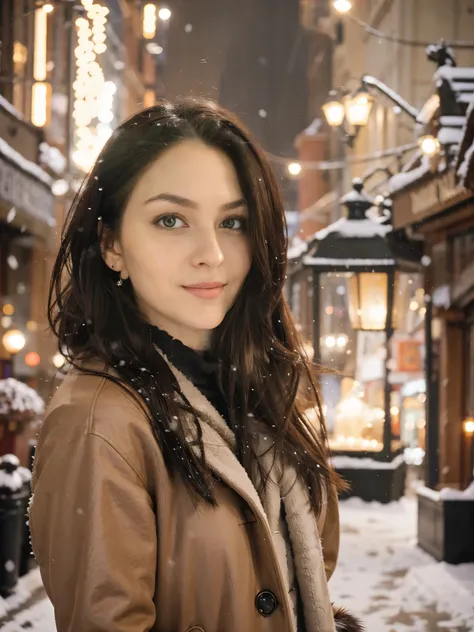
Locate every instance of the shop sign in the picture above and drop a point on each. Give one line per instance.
(24, 192)
(430, 197)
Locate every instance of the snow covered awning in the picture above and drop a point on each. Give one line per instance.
(24, 185)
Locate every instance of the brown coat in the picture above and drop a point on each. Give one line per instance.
(122, 548)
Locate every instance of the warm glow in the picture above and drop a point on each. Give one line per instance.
(358, 108)
(294, 168)
(149, 21)
(330, 342)
(32, 359)
(468, 426)
(342, 6)
(341, 341)
(429, 145)
(93, 96)
(6, 321)
(164, 14)
(368, 295)
(149, 98)
(13, 341)
(58, 360)
(32, 325)
(334, 113)
(39, 104)
(8, 309)
(48, 7)
(41, 40)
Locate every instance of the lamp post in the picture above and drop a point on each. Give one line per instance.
(363, 280)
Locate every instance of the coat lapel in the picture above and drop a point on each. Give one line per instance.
(219, 444)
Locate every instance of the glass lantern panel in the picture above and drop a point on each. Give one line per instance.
(368, 300)
(407, 371)
(353, 388)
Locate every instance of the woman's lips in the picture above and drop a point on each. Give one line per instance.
(205, 290)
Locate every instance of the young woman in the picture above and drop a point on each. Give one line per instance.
(178, 486)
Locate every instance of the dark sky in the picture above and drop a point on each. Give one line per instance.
(250, 55)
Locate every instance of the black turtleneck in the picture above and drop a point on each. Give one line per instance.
(202, 369)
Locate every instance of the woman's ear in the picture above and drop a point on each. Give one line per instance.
(111, 250)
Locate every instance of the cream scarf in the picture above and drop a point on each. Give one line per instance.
(220, 449)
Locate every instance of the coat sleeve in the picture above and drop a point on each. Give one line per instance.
(329, 529)
(93, 533)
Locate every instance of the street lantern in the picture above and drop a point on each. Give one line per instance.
(364, 279)
(358, 107)
(333, 110)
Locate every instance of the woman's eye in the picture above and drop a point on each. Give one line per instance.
(234, 223)
(169, 221)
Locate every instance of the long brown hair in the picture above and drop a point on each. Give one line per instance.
(264, 370)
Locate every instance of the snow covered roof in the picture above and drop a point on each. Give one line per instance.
(403, 179)
(358, 228)
(465, 160)
(455, 88)
(6, 105)
(461, 81)
(17, 397)
(25, 165)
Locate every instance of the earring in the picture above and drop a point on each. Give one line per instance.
(120, 282)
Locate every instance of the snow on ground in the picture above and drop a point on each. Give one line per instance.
(394, 586)
(382, 577)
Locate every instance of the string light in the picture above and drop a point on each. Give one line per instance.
(93, 96)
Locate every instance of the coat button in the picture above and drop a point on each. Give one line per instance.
(266, 603)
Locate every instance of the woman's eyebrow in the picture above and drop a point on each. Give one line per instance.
(182, 201)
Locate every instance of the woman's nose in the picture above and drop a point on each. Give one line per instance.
(207, 250)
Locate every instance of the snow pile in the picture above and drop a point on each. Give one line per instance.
(391, 584)
(358, 228)
(401, 180)
(52, 158)
(354, 463)
(297, 248)
(455, 494)
(27, 586)
(447, 493)
(24, 164)
(450, 135)
(6, 105)
(347, 263)
(12, 476)
(16, 397)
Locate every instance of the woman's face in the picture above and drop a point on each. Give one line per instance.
(183, 241)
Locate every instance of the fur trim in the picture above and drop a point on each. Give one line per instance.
(346, 622)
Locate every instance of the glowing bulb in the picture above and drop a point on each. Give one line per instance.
(468, 427)
(58, 360)
(342, 6)
(48, 7)
(164, 14)
(330, 342)
(149, 21)
(429, 145)
(294, 168)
